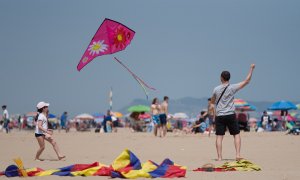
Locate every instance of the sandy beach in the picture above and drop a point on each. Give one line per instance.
(276, 153)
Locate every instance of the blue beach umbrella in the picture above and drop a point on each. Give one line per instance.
(51, 116)
(283, 105)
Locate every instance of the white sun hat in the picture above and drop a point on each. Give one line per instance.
(42, 104)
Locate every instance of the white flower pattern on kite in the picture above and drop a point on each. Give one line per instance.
(97, 47)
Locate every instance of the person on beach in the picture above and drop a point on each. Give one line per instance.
(42, 132)
(222, 97)
(164, 114)
(155, 109)
(107, 122)
(5, 117)
(63, 120)
(211, 116)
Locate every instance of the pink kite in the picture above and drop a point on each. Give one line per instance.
(111, 37)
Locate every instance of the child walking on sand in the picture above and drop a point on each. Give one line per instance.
(42, 132)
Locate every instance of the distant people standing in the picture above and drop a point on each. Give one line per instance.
(155, 110)
(211, 116)
(42, 132)
(63, 120)
(5, 117)
(20, 120)
(164, 114)
(107, 122)
(223, 96)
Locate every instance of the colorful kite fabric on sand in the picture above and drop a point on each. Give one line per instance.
(126, 165)
(241, 165)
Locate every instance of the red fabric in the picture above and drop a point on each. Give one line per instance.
(174, 171)
(214, 170)
(104, 171)
(80, 167)
(33, 173)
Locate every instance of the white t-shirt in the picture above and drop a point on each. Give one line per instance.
(5, 113)
(226, 105)
(44, 120)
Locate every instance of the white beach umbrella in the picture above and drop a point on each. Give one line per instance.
(84, 116)
(180, 115)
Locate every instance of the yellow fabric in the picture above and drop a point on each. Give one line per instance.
(169, 125)
(133, 174)
(146, 167)
(241, 165)
(47, 172)
(122, 160)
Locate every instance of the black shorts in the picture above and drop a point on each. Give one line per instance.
(38, 135)
(227, 121)
(163, 119)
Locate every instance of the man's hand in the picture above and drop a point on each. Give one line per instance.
(252, 66)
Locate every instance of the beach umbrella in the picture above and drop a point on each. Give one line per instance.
(240, 102)
(84, 116)
(51, 116)
(117, 114)
(180, 115)
(283, 105)
(31, 114)
(139, 108)
(144, 116)
(246, 108)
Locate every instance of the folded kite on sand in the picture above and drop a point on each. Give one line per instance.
(126, 165)
(240, 165)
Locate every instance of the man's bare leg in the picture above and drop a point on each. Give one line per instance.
(237, 144)
(219, 140)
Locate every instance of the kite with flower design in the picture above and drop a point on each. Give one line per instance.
(110, 38)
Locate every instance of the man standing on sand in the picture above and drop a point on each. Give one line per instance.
(223, 96)
(164, 107)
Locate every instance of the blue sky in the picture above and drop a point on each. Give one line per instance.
(180, 48)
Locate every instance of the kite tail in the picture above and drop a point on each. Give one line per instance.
(139, 80)
(134, 75)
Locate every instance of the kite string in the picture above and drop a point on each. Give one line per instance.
(136, 78)
(139, 79)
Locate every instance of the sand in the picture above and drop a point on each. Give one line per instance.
(276, 153)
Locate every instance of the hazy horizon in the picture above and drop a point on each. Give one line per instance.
(180, 48)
